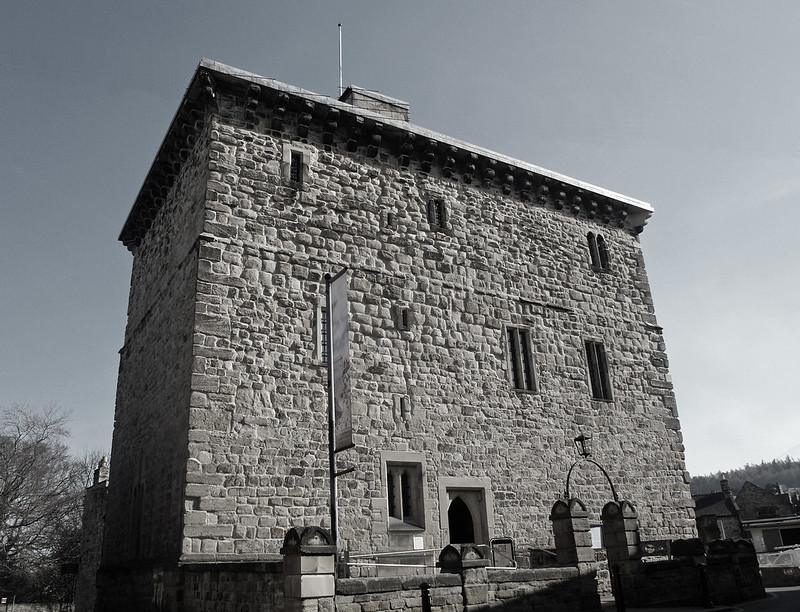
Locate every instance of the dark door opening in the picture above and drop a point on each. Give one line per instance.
(459, 520)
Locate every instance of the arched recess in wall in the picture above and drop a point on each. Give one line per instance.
(602, 252)
(459, 518)
(593, 254)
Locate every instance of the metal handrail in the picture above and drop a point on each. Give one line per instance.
(395, 553)
(351, 564)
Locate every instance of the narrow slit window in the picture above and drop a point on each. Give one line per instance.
(598, 252)
(296, 167)
(521, 359)
(403, 407)
(402, 318)
(405, 484)
(593, 255)
(602, 253)
(437, 214)
(598, 370)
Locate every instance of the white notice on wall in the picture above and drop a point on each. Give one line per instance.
(419, 542)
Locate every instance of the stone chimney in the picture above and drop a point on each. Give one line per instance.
(391, 108)
(724, 486)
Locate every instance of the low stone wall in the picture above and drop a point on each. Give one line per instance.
(554, 589)
(197, 587)
(231, 587)
(780, 576)
(684, 581)
(734, 579)
(561, 589)
(399, 593)
(674, 582)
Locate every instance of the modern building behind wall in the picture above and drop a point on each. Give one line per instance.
(497, 311)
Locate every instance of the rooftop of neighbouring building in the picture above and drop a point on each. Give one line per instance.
(717, 504)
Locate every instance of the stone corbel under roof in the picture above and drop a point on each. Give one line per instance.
(370, 131)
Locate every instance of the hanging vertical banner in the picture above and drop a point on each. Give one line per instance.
(339, 360)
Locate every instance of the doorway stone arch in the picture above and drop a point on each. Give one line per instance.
(476, 494)
(460, 522)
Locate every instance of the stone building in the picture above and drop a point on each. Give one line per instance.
(770, 516)
(717, 514)
(93, 519)
(498, 310)
(764, 502)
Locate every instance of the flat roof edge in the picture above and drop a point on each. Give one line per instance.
(644, 208)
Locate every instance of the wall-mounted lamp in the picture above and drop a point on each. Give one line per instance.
(583, 444)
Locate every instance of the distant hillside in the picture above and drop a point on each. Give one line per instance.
(781, 471)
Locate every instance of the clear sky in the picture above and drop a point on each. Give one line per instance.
(691, 106)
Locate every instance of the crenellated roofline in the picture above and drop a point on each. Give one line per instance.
(289, 108)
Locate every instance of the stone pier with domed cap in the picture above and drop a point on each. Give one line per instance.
(571, 532)
(308, 567)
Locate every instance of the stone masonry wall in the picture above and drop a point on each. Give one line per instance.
(400, 593)
(258, 440)
(232, 587)
(93, 519)
(145, 500)
(558, 589)
(752, 498)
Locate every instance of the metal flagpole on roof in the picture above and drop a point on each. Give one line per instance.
(341, 90)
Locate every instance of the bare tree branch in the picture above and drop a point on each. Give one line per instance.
(41, 488)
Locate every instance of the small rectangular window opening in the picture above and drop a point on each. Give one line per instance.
(296, 167)
(401, 408)
(598, 370)
(402, 318)
(437, 214)
(598, 252)
(404, 490)
(521, 359)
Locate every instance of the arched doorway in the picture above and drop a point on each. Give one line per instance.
(459, 518)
